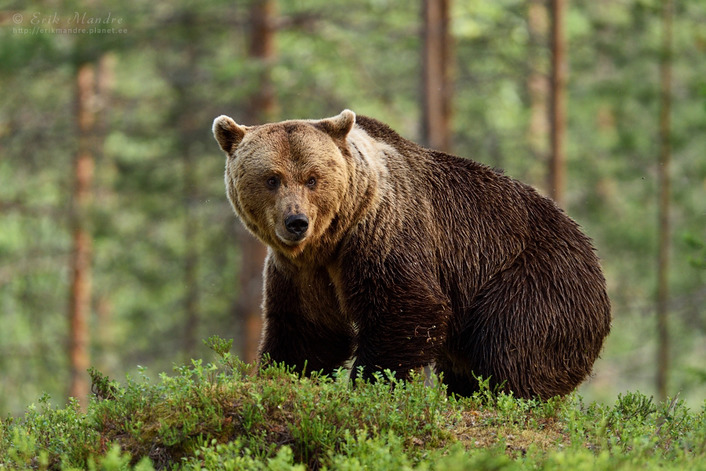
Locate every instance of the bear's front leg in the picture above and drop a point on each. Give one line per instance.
(292, 336)
(402, 324)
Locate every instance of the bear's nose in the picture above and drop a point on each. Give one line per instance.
(297, 224)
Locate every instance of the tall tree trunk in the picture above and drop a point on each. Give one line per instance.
(248, 306)
(263, 104)
(538, 85)
(557, 162)
(261, 108)
(665, 157)
(436, 75)
(80, 294)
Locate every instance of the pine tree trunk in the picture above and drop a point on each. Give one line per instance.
(436, 75)
(248, 307)
(261, 108)
(665, 157)
(557, 161)
(538, 87)
(80, 294)
(263, 104)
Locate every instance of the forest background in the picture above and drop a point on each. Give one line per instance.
(118, 248)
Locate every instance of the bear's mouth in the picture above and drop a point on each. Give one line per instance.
(289, 239)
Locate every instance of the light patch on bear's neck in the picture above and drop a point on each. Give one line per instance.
(371, 162)
(372, 152)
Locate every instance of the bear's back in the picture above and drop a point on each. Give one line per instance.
(480, 220)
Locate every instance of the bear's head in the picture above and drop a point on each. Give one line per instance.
(287, 180)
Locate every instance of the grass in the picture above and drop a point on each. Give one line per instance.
(219, 416)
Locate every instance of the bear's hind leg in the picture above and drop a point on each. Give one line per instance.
(535, 328)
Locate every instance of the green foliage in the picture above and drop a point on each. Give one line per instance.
(698, 260)
(46, 438)
(233, 456)
(180, 413)
(217, 417)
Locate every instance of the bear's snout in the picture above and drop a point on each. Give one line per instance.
(297, 224)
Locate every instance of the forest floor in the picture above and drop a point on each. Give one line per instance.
(221, 416)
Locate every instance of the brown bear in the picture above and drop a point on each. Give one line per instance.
(401, 257)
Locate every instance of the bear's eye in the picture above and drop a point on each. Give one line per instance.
(273, 183)
(311, 182)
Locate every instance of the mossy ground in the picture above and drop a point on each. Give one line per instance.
(221, 416)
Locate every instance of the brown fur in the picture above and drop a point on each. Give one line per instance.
(413, 257)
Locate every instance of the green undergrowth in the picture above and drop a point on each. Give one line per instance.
(221, 416)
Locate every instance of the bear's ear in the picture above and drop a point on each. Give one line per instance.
(339, 126)
(227, 133)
